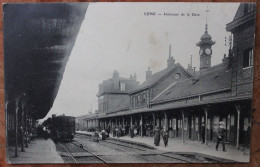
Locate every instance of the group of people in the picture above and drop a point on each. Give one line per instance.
(104, 135)
(158, 133)
(221, 131)
(119, 131)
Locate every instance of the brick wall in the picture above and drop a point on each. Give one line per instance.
(117, 101)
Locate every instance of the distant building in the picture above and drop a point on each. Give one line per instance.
(113, 94)
(87, 122)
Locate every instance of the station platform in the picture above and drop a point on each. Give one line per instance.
(176, 145)
(39, 151)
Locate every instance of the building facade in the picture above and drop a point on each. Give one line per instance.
(182, 99)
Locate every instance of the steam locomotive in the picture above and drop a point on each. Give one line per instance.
(62, 128)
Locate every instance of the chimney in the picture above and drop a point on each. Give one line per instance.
(149, 73)
(135, 76)
(190, 65)
(170, 61)
(194, 71)
(225, 61)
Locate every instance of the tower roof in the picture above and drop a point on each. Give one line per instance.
(206, 35)
(205, 39)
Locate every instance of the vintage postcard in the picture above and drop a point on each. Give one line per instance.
(128, 82)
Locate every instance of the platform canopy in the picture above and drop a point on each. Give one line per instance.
(38, 40)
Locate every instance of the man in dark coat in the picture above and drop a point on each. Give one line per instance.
(220, 136)
(108, 130)
(103, 134)
(132, 131)
(202, 132)
(157, 136)
(165, 135)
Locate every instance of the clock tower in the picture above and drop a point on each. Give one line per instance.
(205, 51)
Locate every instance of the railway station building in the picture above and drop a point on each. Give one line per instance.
(182, 99)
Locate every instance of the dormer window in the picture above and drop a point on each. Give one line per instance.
(248, 58)
(122, 86)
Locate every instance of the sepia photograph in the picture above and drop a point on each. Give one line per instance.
(115, 82)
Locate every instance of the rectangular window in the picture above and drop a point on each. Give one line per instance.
(248, 58)
(144, 99)
(133, 101)
(122, 86)
(138, 100)
(104, 107)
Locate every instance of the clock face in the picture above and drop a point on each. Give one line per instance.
(201, 52)
(177, 76)
(208, 51)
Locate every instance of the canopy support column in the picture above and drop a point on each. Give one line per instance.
(182, 129)
(165, 120)
(110, 125)
(153, 114)
(16, 125)
(6, 118)
(238, 108)
(206, 124)
(141, 125)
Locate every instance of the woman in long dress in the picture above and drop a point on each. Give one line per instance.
(157, 136)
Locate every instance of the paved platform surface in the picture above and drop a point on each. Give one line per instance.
(176, 145)
(39, 151)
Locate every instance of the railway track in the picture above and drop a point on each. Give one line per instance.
(75, 153)
(148, 154)
(151, 155)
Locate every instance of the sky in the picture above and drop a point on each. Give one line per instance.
(119, 36)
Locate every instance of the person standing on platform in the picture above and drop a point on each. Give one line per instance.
(221, 136)
(126, 129)
(157, 136)
(103, 134)
(132, 131)
(114, 132)
(108, 130)
(147, 130)
(202, 133)
(117, 131)
(96, 136)
(165, 135)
